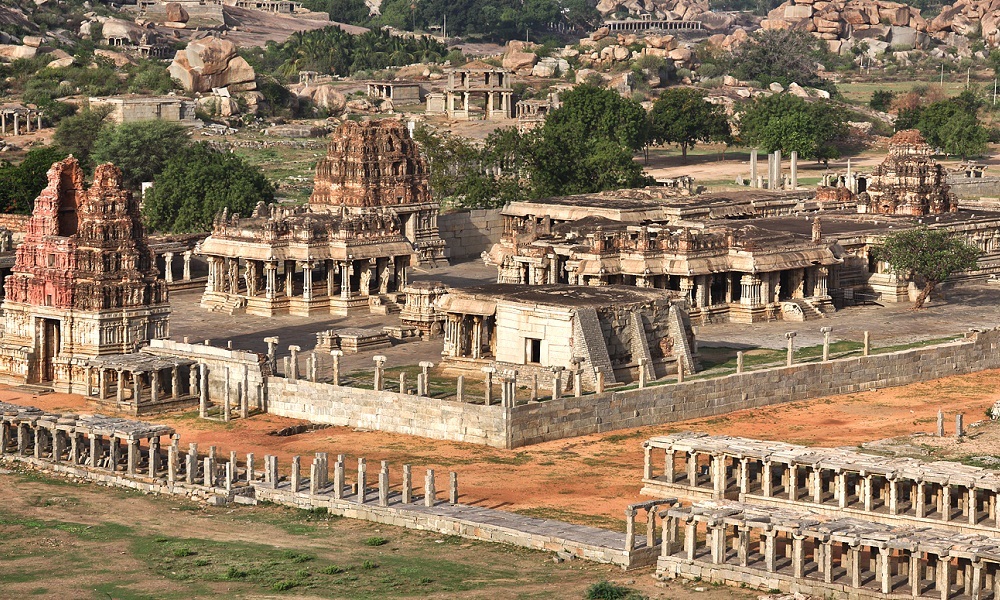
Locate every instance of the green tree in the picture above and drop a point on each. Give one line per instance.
(781, 55)
(140, 149)
(953, 126)
(20, 184)
(926, 256)
(882, 99)
(76, 134)
(601, 114)
(965, 136)
(785, 122)
(682, 116)
(197, 183)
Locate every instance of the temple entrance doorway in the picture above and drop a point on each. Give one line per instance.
(50, 348)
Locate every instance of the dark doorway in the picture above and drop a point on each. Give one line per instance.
(533, 348)
(50, 349)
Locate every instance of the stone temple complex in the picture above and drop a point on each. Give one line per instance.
(369, 218)
(908, 182)
(83, 283)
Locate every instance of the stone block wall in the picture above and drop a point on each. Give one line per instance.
(569, 417)
(387, 411)
(469, 233)
(218, 361)
(974, 187)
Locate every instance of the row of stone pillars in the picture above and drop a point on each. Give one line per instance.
(168, 269)
(17, 124)
(102, 392)
(775, 179)
(790, 348)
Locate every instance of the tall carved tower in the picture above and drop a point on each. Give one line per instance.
(84, 282)
(375, 164)
(909, 181)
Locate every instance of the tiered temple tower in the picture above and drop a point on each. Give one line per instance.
(909, 181)
(83, 284)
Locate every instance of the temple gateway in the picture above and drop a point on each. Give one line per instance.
(369, 218)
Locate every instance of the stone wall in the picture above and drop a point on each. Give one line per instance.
(218, 361)
(14, 223)
(975, 187)
(569, 417)
(387, 411)
(469, 233)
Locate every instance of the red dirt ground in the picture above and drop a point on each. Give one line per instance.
(588, 479)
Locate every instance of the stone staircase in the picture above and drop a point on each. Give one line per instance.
(587, 329)
(384, 305)
(640, 343)
(807, 311)
(234, 305)
(677, 327)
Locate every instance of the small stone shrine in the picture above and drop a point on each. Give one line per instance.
(908, 182)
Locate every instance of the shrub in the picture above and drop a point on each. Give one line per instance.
(284, 585)
(376, 541)
(369, 565)
(182, 552)
(332, 570)
(605, 590)
(234, 573)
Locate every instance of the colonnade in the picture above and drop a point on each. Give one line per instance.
(168, 269)
(17, 115)
(732, 542)
(876, 488)
(127, 383)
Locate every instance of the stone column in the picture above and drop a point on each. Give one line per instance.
(767, 480)
(577, 376)
(186, 274)
(296, 477)
(336, 354)
(383, 484)
(430, 494)
(794, 170)
(362, 484)
(945, 502)
(460, 389)
(137, 386)
(168, 267)
(739, 362)
(120, 396)
(338, 478)
(175, 381)
(868, 346)
(826, 342)
(345, 280)
(753, 167)
(407, 485)
(294, 362)
(272, 345)
(379, 361)
(789, 359)
(203, 390)
(209, 472)
(488, 388)
(798, 556)
(919, 502)
(289, 278)
(557, 382)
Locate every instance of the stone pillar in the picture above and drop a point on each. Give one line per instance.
(920, 501)
(345, 280)
(186, 274)
(296, 477)
(767, 480)
(251, 465)
(226, 408)
(453, 488)
(307, 284)
(383, 485)
(379, 361)
(488, 386)
(154, 456)
(336, 354)
(402, 382)
(429, 491)
(362, 484)
(294, 362)
(868, 493)
(789, 359)
(203, 390)
(940, 424)
(270, 280)
(557, 382)
(959, 431)
(425, 367)
(137, 387)
(120, 391)
(172, 459)
(209, 472)
(338, 478)
(407, 484)
(794, 170)
(868, 346)
(460, 389)
(598, 381)
(168, 267)
(753, 167)
(272, 345)
(826, 342)
(798, 556)
(577, 377)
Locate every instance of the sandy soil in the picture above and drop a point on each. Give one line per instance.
(587, 479)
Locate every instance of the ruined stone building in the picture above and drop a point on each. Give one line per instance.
(908, 182)
(745, 256)
(83, 283)
(369, 218)
(613, 330)
(471, 84)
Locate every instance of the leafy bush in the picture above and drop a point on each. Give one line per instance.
(376, 541)
(182, 552)
(605, 590)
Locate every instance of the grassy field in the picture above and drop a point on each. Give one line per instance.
(83, 541)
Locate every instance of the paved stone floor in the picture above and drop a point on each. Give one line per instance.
(951, 312)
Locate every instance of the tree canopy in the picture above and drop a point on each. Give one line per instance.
(926, 256)
(785, 122)
(140, 149)
(682, 116)
(781, 55)
(951, 125)
(76, 134)
(586, 144)
(197, 183)
(20, 184)
(334, 51)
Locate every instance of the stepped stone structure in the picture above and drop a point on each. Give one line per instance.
(369, 218)
(611, 332)
(470, 81)
(83, 284)
(909, 181)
